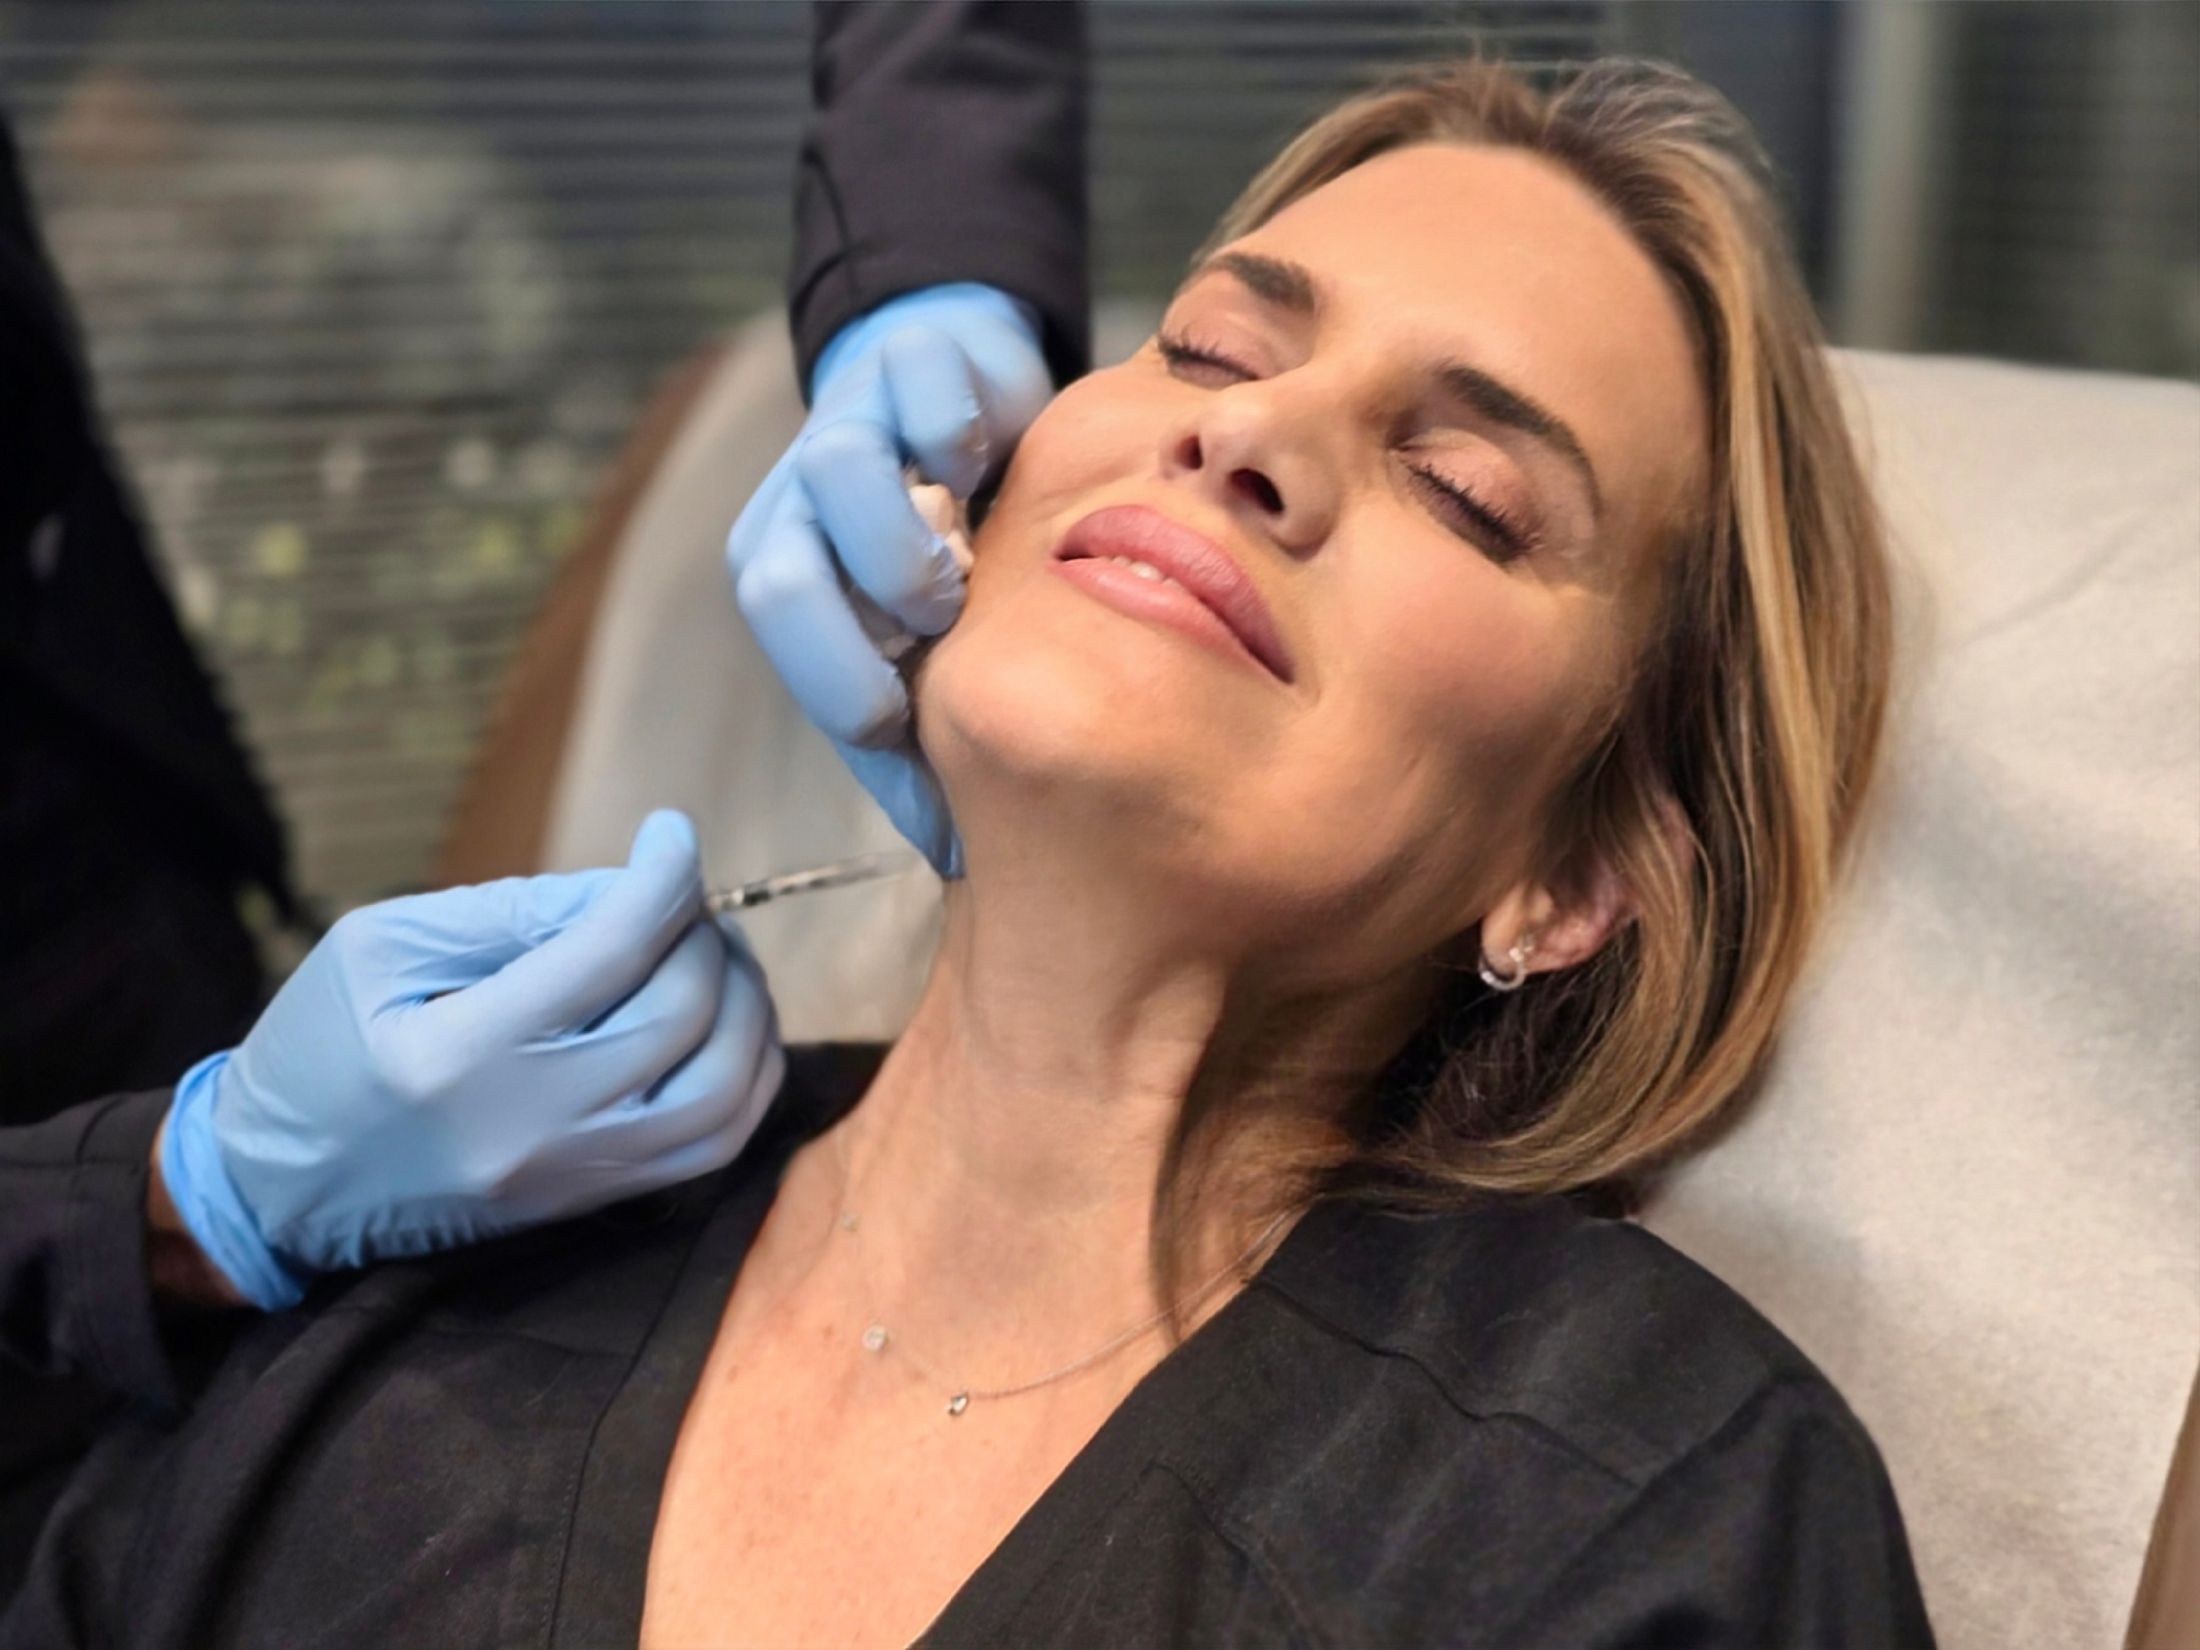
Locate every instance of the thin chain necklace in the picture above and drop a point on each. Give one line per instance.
(876, 1337)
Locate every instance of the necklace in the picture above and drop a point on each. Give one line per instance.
(876, 1337)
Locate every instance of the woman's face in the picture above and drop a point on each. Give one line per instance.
(1436, 414)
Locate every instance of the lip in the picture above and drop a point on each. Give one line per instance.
(1193, 560)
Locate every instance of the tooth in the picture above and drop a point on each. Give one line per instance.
(1143, 569)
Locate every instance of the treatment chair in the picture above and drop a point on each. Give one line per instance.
(1970, 1185)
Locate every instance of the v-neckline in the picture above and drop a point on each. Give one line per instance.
(1187, 1382)
(604, 1579)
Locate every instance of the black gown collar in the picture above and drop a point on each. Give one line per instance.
(622, 1480)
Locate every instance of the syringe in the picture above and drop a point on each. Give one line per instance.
(945, 515)
(839, 873)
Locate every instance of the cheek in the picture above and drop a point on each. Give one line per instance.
(1461, 664)
(1433, 749)
(1027, 674)
(1012, 641)
(1094, 433)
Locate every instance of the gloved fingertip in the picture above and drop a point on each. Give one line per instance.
(977, 451)
(760, 516)
(663, 879)
(667, 834)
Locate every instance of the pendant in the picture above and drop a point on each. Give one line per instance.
(957, 1404)
(874, 1338)
(848, 1223)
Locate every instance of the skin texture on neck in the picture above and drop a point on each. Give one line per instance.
(1005, 1160)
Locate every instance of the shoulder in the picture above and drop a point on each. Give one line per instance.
(1533, 1425)
(1595, 1332)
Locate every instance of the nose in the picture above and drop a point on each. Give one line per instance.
(1243, 452)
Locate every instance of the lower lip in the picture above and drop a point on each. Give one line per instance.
(1165, 604)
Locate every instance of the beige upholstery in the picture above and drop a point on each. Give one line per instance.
(1971, 1189)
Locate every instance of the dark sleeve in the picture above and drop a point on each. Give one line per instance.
(946, 143)
(1780, 1532)
(92, 645)
(75, 1294)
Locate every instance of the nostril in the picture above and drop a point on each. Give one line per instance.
(1261, 488)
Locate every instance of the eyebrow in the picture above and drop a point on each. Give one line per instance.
(1292, 287)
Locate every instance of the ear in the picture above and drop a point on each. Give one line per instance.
(1568, 924)
(1562, 930)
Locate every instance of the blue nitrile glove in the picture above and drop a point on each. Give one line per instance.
(449, 1066)
(947, 379)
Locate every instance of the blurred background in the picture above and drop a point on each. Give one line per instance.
(375, 289)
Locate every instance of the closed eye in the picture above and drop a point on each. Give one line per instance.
(1181, 352)
(1486, 522)
(1502, 538)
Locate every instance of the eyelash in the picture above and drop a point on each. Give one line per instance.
(1512, 538)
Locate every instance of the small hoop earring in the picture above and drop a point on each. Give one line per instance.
(1519, 958)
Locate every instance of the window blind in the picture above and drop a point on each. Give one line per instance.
(374, 291)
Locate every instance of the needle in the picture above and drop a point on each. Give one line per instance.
(891, 862)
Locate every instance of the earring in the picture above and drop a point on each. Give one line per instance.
(1519, 957)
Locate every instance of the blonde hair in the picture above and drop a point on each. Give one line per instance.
(1726, 783)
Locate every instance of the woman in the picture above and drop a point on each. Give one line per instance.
(1430, 830)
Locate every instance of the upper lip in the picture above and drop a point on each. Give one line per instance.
(1191, 558)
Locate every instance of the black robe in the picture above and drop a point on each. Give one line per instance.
(1520, 1424)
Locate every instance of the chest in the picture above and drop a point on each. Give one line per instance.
(818, 1498)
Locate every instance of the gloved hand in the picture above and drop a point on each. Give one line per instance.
(449, 1066)
(947, 378)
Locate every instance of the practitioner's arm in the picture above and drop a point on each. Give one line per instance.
(946, 144)
(440, 1069)
(453, 1066)
(77, 1251)
(938, 294)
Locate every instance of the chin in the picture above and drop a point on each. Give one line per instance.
(1069, 760)
(1057, 746)
(1069, 719)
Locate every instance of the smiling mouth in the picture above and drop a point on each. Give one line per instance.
(1145, 564)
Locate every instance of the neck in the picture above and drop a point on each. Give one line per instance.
(1006, 1162)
